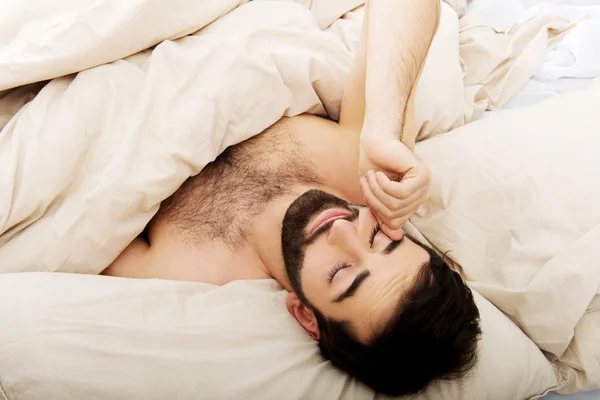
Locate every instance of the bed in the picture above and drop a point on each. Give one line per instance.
(79, 181)
(559, 73)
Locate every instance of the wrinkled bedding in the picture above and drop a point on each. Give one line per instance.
(524, 230)
(107, 107)
(86, 164)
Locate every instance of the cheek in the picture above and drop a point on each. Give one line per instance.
(318, 260)
(314, 274)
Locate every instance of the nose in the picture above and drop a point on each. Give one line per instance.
(344, 235)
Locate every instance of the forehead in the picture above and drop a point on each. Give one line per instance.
(375, 304)
(393, 274)
(381, 294)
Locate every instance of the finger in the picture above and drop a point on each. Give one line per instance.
(411, 182)
(398, 223)
(374, 204)
(390, 202)
(407, 208)
(393, 203)
(413, 202)
(403, 207)
(408, 184)
(394, 234)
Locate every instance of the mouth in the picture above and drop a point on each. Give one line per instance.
(326, 217)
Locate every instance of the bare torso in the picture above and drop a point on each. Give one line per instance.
(225, 223)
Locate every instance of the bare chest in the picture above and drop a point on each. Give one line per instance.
(230, 196)
(224, 224)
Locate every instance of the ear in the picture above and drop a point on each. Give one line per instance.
(303, 315)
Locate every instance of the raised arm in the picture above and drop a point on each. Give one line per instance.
(395, 39)
(378, 101)
(399, 36)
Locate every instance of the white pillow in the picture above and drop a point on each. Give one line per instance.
(68, 336)
(515, 201)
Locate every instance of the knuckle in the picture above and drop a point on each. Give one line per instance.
(387, 213)
(386, 186)
(402, 192)
(396, 224)
(396, 204)
(377, 191)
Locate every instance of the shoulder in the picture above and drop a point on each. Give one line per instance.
(331, 149)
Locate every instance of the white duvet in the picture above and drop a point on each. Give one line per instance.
(86, 163)
(519, 212)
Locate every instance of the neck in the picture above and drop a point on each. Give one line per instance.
(266, 234)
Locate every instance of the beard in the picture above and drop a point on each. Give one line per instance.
(295, 239)
(293, 231)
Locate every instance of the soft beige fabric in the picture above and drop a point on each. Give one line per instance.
(439, 106)
(494, 64)
(490, 81)
(43, 39)
(114, 338)
(582, 353)
(2, 394)
(459, 6)
(11, 101)
(514, 201)
(84, 166)
(82, 174)
(327, 12)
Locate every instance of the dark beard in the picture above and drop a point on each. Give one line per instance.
(294, 240)
(293, 236)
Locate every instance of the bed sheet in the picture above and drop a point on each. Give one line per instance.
(571, 66)
(166, 48)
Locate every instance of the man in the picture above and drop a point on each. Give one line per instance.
(393, 315)
(389, 312)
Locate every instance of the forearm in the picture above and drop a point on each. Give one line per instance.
(399, 36)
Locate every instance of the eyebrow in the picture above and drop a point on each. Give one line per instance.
(392, 246)
(360, 278)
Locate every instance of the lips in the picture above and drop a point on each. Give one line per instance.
(325, 217)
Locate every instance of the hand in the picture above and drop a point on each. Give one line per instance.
(394, 182)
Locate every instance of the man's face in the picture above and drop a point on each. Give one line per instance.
(345, 268)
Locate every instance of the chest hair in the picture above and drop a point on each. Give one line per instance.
(221, 201)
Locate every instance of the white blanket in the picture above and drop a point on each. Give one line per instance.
(85, 165)
(519, 212)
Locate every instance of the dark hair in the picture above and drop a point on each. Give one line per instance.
(432, 335)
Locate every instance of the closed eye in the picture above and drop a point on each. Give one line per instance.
(373, 234)
(335, 269)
